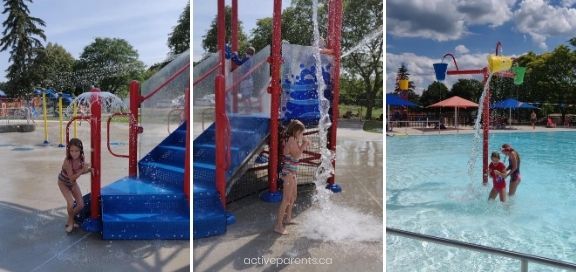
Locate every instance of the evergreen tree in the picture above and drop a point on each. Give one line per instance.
(23, 37)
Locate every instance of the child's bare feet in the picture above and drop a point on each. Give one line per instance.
(69, 228)
(280, 230)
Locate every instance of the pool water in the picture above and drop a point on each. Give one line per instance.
(428, 191)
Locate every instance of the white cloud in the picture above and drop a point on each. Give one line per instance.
(461, 49)
(567, 3)
(444, 20)
(540, 20)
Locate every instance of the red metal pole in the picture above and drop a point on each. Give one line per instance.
(486, 128)
(221, 108)
(187, 158)
(220, 139)
(135, 100)
(335, 41)
(234, 42)
(275, 90)
(95, 110)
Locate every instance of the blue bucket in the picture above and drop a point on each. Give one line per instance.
(440, 70)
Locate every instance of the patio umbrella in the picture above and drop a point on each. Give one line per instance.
(455, 102)
(2, 93)
(510, 104)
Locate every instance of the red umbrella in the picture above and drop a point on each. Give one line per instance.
(455, 102)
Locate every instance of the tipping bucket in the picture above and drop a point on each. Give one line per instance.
(403, 83)
(518, 74)
(499, 63)
(440, 70)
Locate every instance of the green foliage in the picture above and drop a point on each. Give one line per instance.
(109, 63)
(403, 74)
(470, 89)
(435, 92)
(362, 19)
(210, 39)
(179, 39)
(23, 36)
(51, 68)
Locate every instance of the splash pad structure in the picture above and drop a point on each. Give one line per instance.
(498, 65)
(245, 130)
(152, 202)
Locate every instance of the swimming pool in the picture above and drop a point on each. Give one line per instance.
(429, 191)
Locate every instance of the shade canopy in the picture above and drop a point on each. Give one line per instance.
(394, 100)
(455, 102)
(512, 103)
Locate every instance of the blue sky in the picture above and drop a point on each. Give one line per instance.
(420, 32)
(73, 24)
(248, 12)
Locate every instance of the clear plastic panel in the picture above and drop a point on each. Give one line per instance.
(164, 111)
(299, 98)
(249, 83)
(203, 96)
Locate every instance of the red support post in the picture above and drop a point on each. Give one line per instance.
(135, 100)
(335, 46)
(95, 121)
(234, 42)
(275, 60)
(486, 128)
(220, 110)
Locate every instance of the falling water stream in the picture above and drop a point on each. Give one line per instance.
(327, 220)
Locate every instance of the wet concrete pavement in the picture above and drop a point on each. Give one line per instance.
(33, 213)
(348, 230)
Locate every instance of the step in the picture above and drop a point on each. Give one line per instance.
(130, 195)
(206, 153)
(170, 154)
(161, 174)
(138, 226)
(179, 138)
(209, 223)
(204, 174)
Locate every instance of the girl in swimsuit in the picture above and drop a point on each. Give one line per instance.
(294, 144)
(498, 172)
(513, 167)
(72, 168)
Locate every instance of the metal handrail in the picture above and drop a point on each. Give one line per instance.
(523, 257)
(108, 132)
(172, 77)
(170, 115)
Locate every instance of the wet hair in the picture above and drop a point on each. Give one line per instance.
(77, 143)
(294, 127)
(507, 147)
(495, 154)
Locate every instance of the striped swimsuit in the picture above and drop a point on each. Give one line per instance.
(289, 166)
(63, 177)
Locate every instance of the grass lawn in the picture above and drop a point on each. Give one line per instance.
(359, 110)
(373, 126)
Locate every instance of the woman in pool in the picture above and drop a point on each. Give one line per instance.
(498, 173)
(513, 168)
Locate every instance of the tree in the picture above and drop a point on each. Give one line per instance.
(403, 74)
(435, 92)
(363, 19)
(210, 39)
(470, 89)
(53, 67)
(110, 64)
(262, 34)
(179, 39)
(23, 36)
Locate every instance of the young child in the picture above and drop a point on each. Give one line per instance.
(72, 168)
(294, 144)
(498, 172)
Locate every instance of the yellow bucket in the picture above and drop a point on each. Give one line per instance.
(499, 63)
(403, 83)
